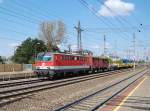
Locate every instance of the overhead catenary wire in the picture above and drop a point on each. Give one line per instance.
(120, 19)
(23, 16)
(46, 11)
(83, 2)
(12, 39)
(117, 29)
(19, 16)
(34, 20)
(43, 14)
(93, 11)
(136, 29)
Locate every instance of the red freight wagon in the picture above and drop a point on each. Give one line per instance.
(100, 63)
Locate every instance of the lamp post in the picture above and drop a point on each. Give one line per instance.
(36, 50)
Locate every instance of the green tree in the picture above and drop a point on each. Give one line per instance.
(26, 52)
(1, 60)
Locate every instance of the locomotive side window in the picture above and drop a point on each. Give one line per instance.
(76, 58)
(84, 59)
(67, 57)
(63, 57)
(72, 58)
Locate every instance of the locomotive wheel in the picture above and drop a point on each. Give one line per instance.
(51, 77)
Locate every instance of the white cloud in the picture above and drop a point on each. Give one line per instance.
(116, 7)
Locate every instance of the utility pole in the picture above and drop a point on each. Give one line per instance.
(69, 47)
(105, 46)
(115, 49)
(145, 58)
(134, 46)
(79, 40)
(129, 53)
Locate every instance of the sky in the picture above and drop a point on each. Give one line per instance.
(118, 20)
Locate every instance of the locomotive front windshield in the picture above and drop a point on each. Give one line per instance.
(47, 58)
(44, 57)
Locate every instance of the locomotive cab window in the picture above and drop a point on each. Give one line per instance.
(44, 57)
(47, 58)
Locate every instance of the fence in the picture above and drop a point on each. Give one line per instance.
(27, 67)
(15, 67)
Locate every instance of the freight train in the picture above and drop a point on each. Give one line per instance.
(50, 64)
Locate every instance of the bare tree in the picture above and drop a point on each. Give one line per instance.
(52, 33)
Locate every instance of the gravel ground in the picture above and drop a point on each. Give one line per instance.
(54, 98)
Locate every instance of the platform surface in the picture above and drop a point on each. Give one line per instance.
(138, 99)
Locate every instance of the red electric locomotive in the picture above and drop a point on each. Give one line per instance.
(51, 64)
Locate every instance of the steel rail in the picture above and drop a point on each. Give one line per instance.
(26, 91)
(10, 84)
(58, 83)
(77, 102)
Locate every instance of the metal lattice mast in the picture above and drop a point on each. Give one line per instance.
(79, 40)
(105, 46)
(134, 46)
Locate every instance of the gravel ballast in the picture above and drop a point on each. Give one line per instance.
(48, 100)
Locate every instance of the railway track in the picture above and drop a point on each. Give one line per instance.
(19, 82)
(16, 92)
(36, 80)
(11, 94)
(96, 100)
